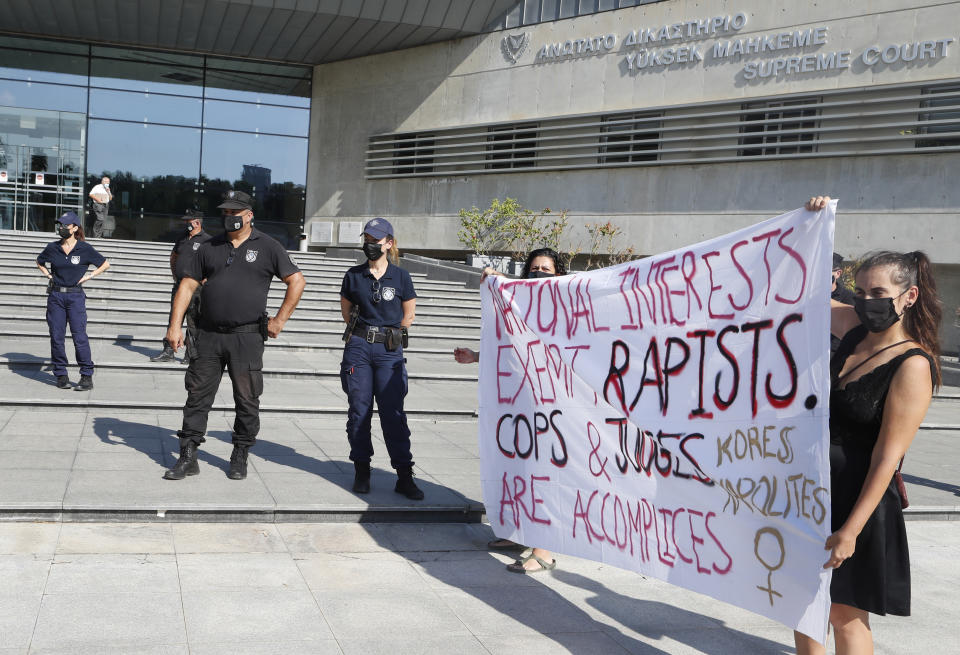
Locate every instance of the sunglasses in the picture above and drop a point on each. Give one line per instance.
(376, 291)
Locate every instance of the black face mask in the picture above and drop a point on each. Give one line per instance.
(64, 231)
(876, 314)
(232, 223)
(372, 250)
(538, 274)
(189, 228)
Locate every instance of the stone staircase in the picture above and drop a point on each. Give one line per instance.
(303, 407)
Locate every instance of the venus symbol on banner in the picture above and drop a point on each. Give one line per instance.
(670, 415)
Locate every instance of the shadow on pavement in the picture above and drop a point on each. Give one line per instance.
(126, 341)
(31, 367)
(631, 612)
(932, 484)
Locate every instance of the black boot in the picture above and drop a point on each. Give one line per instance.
(63, 382)
(85, 384)
(238, 462)
(166, 356)
(406, 485)
(186, 465)
(361, 477)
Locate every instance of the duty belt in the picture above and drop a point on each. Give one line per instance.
(76, 289)
(232, 329)
(371, 333)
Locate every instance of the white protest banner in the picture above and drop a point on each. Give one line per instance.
(669, 415)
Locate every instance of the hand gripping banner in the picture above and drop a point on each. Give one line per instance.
(670, 415)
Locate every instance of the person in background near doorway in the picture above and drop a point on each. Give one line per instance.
(101, 197)
(68, 259)
(543, 262)
(183, 251)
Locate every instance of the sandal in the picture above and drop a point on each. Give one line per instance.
(505, 545)
(517, 567)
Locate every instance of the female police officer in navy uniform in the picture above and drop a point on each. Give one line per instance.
(383, 297)
(68, 260)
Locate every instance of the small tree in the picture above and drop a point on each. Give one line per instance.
(486, 230)
(530, 231)
(603, 238)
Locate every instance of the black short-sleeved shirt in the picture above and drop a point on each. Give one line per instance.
(359, 287)
(238, 280)
(185, 247)
(68, 268)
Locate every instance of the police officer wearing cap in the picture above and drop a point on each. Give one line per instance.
(65, 262)
(238, 267)
(377, 299)
(183, 250)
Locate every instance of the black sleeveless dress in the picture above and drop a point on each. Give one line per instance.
(877, 577)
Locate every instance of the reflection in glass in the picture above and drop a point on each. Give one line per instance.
(138, 76)
(43, 66)
(145, 107)
(38, 95)
(152, 170)
(256, 118)
(272, 169)
(262, 88)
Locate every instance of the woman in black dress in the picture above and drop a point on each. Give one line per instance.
(882, 380)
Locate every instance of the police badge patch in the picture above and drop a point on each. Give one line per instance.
(388, 293)
(196, 245)
(75, 260)
(251, 256)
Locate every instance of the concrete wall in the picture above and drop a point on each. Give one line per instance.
(903, 202)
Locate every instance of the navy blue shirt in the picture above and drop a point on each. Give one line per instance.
(238, 280)
(68, 268)
(381, 309)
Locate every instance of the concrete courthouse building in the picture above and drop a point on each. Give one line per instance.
(676, 119)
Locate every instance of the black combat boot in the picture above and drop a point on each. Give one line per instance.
(167, 355)
(186, 465)
(238, 462)
(63, 382)
(406, 485)
(85, 384)
(361, 477)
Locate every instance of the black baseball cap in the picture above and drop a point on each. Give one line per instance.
(837, 261)
(193, 214)
(236, 200)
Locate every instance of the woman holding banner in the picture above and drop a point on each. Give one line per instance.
(543, 262)
(882, 380)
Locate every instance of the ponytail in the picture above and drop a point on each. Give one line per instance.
(79, 233)
(921, 321)
(393, 255)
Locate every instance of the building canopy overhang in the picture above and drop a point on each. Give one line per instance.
(293, 31)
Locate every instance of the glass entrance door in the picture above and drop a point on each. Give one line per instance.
(41, 167)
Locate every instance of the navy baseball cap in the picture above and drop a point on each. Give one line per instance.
(69, 218)
(236, 200)
(378, 228)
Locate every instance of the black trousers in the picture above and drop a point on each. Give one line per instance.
(242, 355)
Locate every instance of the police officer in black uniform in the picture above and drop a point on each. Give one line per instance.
(238, 267)
(183, 250)
(378, 303)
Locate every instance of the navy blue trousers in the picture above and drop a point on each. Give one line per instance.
(64, 308)
(370, 372)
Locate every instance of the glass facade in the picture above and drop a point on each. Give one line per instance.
(172, 131)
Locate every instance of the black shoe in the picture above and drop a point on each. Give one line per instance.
(186, 465)
(406, 485)
(238, 462)
(166, 356)
(63, 382)
(85, 384)
(361, 477)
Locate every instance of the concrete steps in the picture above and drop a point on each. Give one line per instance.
(299, 469)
